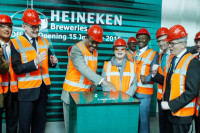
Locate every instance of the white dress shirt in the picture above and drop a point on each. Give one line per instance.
(142, 50)
(179, 56)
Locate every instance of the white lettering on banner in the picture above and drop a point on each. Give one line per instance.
(65, 16)
(65, 36)
(81, 17)
(90, 18)
(57, 15)
(99, 18)
(65, 27)
(108, 19)
(53, 36)
(16, 34)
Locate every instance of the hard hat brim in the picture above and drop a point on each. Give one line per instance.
(35, 23)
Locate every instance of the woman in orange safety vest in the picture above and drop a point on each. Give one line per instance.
(120, 71)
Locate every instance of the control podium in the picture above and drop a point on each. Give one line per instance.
(103, 112)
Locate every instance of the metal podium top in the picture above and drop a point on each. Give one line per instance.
(88, 98)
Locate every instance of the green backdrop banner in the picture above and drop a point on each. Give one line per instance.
(65, 22)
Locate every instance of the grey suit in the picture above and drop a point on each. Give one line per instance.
(79, 63)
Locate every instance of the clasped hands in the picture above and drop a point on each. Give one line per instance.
(42, 56)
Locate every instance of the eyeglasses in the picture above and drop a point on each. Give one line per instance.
(123, 49)
(33, 26)
(173, 43)
(5, 26)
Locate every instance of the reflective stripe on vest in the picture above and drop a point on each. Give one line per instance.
(77, 84)
(129, 55)
(86, 58)
(144, 88)
(182, 73)
(11, 77)
(131, 73)
(28, 53)
(178, 85)
(74, 80)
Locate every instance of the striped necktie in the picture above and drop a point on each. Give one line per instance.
(172, 65)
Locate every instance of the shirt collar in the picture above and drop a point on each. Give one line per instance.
(181, 54)
(130, 51)
(168, 52)
(29, 38)
(143, 49)
(2, 43)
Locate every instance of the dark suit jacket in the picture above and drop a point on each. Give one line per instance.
(192, 84)
(19, 68)
(192, 49)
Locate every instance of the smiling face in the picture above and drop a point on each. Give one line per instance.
(120, 52)
(5, 32)
(142, 40)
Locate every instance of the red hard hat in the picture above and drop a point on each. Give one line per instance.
(119, 42)
(5, 19)
(143, 31)
(96, 32)
(31, 17)
(197, 36)
(132, 39)
(161, 31)
(176, 32)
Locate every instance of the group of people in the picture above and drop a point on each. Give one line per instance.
(25, 82)
(134, 72)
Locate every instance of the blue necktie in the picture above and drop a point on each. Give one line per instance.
(163, 61)
(172, 64)
(5, 54)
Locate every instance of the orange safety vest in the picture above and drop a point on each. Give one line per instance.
(160, 87)
(129, 55)
(1, 90)
(143, 68)
(28, 53)
(198, 100)
(113, 75)
(178, 85)
(13, 79)
(74, 80)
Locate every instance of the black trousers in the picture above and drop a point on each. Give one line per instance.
(32, 114)
(11, 112)
(178, 128)
(162, 118)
